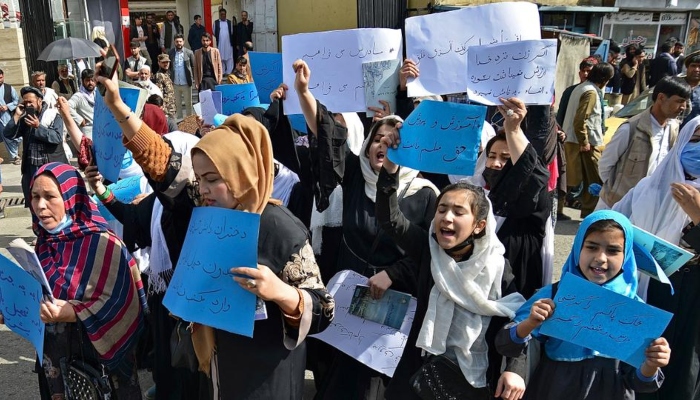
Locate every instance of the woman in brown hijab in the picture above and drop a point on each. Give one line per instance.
(233, 165)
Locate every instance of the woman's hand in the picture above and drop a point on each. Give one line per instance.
(303, 76)
(657, 356)
(510, 386)
(511, 122)
(688, 198)
(265, 284)
(112, 97)
(63, 108)
(280, 93)
(379, 283)
(391, 140)
(94, 179)
(380, 113)
(59, 311)
(409, 69)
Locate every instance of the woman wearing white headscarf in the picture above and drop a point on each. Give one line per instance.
(362, 246)
(656, 205)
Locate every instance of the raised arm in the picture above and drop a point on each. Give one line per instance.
(306, 98)
(76, 136)
(514, 111)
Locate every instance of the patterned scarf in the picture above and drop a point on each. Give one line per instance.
(89, 96)
(88, 266)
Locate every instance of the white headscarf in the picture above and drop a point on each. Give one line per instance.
(284, 182)
(465, 296)
(356, 131)
(650, 205)
(159, 258)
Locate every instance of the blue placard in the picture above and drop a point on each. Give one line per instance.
(591, 316)
(107, 135)
(202, 289)
(20, 303)
(267, 72)
(441, 137)
(298, 123)
(124, 190)
(237, 98)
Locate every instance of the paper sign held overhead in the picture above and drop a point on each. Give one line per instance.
(267, 72)
(202, 289)
(599, 319)
(335, 59)
(20, 303)
(206, 104)
(524, 69)
(439, 42)
(441, 137)
(381, 79)
(236, 98)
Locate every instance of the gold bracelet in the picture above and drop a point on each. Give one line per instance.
(121, 121)
(300, 307)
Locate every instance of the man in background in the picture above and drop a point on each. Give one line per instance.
(181, 67)
(194, 37)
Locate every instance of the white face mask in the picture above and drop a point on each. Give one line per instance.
(65, 222)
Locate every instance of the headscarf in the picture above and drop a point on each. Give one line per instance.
(161, 268)
(155, 118)
(241, 151)
(88, 266)
(408, 177)
(650, 205)
(356, 131)
(624, 283)
(465, 296)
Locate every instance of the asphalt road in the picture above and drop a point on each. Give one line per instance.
(17, 381)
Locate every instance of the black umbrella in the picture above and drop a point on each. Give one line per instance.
(69, 49)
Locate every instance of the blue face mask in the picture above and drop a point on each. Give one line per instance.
(690, 159)
(65, 223)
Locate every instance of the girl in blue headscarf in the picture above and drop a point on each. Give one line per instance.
(602, 253)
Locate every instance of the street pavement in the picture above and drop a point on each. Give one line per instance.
(16, 355)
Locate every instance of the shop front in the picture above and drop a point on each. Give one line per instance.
(649, 29)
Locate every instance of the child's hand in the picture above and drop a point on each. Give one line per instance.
(510, 386)
(658, 353)
(540, 311)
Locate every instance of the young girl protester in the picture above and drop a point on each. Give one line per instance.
(602, 254)
(466, 288)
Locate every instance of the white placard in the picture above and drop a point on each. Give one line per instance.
(377, 346)
(335, 59)
(516, 69)
(438, 42)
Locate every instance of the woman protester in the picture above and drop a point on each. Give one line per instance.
(96, 316)
(665, 204)
(465, 289)
(517, 183)
(271, 363)
(363, 247)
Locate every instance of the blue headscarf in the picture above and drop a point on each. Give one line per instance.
(625, 284)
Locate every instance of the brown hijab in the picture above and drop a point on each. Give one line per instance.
(241, 151)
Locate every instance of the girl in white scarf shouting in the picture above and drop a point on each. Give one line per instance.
(462, 277)
(360, 245)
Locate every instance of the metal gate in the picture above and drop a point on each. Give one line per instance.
(263, 13)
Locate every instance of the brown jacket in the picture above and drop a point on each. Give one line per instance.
(633, 165)
(199, 66)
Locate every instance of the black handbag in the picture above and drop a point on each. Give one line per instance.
(182, 353)
(441, 379)
(81, 380)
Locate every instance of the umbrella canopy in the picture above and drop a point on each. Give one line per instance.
(70, 49)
